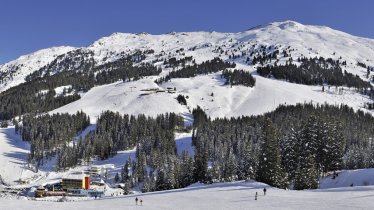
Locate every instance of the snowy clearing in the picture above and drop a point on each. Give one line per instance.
(267, 95)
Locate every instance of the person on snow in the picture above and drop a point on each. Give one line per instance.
(264, 191)
(136, 200)
(141, 202)
(256, 196)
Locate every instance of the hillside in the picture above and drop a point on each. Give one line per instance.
(14, 72)
(281, 41)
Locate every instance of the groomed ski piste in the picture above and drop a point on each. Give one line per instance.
(235, 196)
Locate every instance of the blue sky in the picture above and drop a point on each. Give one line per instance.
(29, 25)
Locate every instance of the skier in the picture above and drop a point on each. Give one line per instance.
(136, 200)
(256, 196)
(264, 191)
(141, 202)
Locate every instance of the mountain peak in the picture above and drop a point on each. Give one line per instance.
(282, 25)
(288, 24)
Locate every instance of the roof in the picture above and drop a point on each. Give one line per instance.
(75, 176)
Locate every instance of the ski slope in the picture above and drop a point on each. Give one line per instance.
(358, 177)
(13, 156)
(235, 196)
(226, 101)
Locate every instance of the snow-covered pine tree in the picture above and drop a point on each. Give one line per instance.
(245, 162)
(146, 185)
(125, 171)
(290, 152)
(309, 137)
(186, 168)
(270, 168)
(116, 178)
(306, 176)
(200, 165)
(335, 145)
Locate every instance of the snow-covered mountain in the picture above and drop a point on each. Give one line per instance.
(14, 72)
(289, 38)
(304, 40)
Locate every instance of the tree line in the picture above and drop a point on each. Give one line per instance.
(205, 67)
(292, 146)
(29, 97)
(238, 77)
(153, 138)
(314, 71)
(46, 133)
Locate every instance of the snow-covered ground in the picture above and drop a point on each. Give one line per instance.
(226, 101)
(236, 196)
(13, 155)
(184, 143)
(27, 64)
(345, 178)
(297, 39)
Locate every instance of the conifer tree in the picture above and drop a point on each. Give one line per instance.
(200, 166)
(306, 176)
(290, 152)
(270, 169)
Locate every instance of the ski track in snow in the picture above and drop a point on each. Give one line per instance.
(235, 196)
(13, 155)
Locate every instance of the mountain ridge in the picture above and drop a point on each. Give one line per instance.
(291, 33)
(283, 42)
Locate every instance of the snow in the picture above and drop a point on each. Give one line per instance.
(13, 155)
(306, 40)
(227, 101)
(303, 40)
(133, 98)
(184, 143)
(125, 98)
(238, 195)
(27, 64)
(346, 178)
(60, 90)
